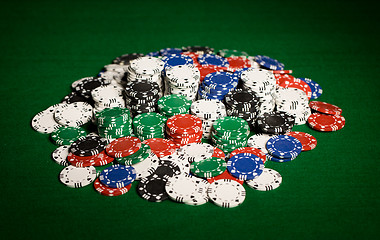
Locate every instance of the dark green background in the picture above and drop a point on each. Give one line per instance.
(329, 192)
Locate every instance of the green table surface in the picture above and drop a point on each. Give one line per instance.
(329, 192)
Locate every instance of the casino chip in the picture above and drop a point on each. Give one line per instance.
(161, 147)
(73, 114)
(170, 51)
(268, 180)
(308, 141)
(173, 104)
(85, 85)
(59, 155)
(149, 125)
(326, 123)
(67, 135)
(96, 160)
(283, 146)
(209, 167)
(226, 193)
(184, 129)
(195, 152)
(198, 49)
(232, 53)
(111, 192)
(88, 146)
(76, 177)
(117, 176)
(125, 59)
(275, 123)
(182, 163)
(152, 188)
(167, 169)
(210, 59)
(181, 187)
(123, 147)
(269, 63)
(288, 81)
(44, 121)
(245, 166)
(259, 141)
(136, 157)
(326, 108)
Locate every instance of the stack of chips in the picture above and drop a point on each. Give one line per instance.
(173, 104)
(141, 96)
(107, 96)
(84, 86)
(208, 111)
(182, 80)
(243, 103)
(114, 123)
(89, 151)
(114, 73)
(229, 133)
(216, 85)
(183, 129)
(149, 125)
(294, 102)
(274, 123)
(263, 83)
(176, 60)
(283, 148)
(146, 68)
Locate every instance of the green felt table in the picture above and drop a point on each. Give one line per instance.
(329, 192)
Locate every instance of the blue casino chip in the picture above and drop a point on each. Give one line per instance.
(210, 59)
(153, 54)
(221, 80)
(177, 59)
(316, 89)
(170, 51)
(245, 166)
(283, 146)
(117, 176)
(269, 63)
(280, 160)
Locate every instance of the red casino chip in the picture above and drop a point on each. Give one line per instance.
(111, 192)
(79, 161)
(123, 147)
(251, 150)
(207, 69)
(308, 141)
(288, 81)
(161, 147)
(184, 124)
(326, 123)
(326, 108)
(225, 175)
(238, 63)
(282, 71)
(219, 153)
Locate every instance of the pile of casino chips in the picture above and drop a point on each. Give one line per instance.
(150, 127)
(183, 129)
(141, 96)
(107, 96)
(243, 103)
(230, 133)
(183, 80)
(114, 122)
(208, 111)
(216, 85)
